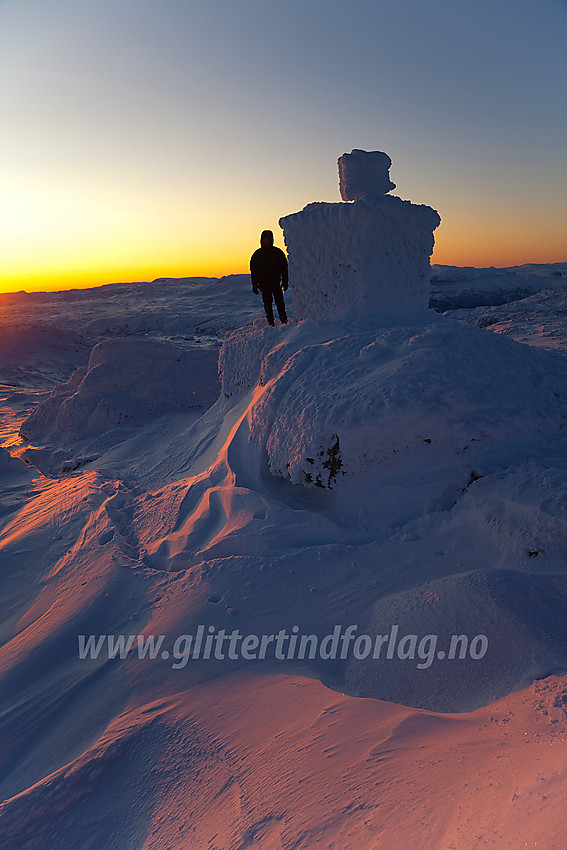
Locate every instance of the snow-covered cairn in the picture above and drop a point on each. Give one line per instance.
(365, 256)
(370, 377)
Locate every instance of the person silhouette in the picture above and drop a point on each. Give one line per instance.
(268, 270)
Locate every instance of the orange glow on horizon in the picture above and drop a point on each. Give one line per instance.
(500, 258)
(82, 278)
(500, 244)
(462, 243)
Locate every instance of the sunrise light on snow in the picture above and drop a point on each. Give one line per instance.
(283, 400)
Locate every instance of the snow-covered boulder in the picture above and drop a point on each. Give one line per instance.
(126, 381)
(333, 401)
(360, 260)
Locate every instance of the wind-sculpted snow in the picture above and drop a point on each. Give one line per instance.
(444, 449)
(375, 469)
(522, 618)
(339, 401)
(126, 381)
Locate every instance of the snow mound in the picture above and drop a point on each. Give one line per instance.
(366, 259)
(513, 631)
(126, 381)
(364, 174)
(333, 401)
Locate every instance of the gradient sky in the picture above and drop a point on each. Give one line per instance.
(150, 138)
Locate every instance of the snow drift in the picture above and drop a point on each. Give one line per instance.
(338, 401)
(514, 624)
(371, 464)
(125, 381)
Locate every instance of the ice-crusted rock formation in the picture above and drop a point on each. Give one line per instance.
(364, 174)
(364, 259)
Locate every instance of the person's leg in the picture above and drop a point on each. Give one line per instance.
(267, 299)
(280, 303)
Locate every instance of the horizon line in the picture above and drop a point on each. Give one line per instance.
(59, 284)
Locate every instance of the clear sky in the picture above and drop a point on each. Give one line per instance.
(150, 138)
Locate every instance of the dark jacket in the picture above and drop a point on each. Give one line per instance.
(268, 265)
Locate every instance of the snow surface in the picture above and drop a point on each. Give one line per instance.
(410, 469)
(453, 288)
(125, 381)
(46, 335)
(381, 394)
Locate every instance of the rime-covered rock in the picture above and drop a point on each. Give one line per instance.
(364, 259)
(364, 174)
